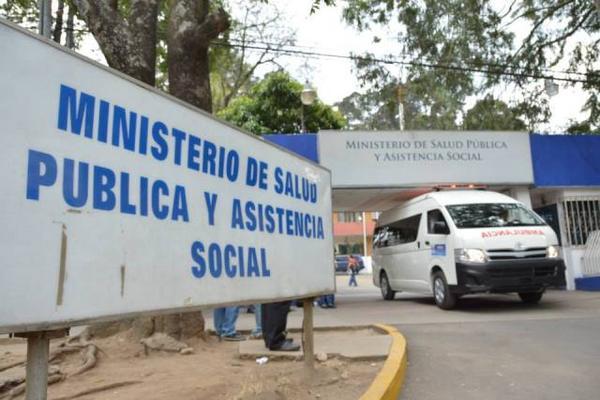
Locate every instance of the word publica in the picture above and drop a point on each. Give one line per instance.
(234, 261)
(83, 114)
(109, 190)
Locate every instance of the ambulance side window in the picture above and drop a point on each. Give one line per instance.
(404, 231)
(436, 223)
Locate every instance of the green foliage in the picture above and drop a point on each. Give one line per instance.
(493, 115)
(432, 32)
(22, 12)
(378, 110)
(273, 105)
(582, 128)
(26, 14)
(460, 37)
(316, 5)
(232, 68)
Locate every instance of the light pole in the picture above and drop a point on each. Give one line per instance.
(308, 96)
(400, 90)
(45, 24)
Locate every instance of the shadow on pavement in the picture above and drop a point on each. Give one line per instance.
(482, 303)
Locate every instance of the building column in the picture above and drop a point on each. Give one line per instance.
(364, 232)
(521, 194)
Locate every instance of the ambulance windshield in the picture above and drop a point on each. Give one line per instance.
(492, 215)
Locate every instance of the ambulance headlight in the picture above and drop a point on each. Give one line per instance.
(476, 256)
(553, 252)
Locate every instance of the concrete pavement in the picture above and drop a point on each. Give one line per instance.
(490, 347)
(509, 360)
(356, 344)
(363, 306)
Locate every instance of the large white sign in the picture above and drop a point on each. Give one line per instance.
(420, 158)
(117, 200)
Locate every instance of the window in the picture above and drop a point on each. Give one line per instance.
(399, 232)
(349, 217)
(581, 217)
(434, 216)
(490, 215)
(378, 235)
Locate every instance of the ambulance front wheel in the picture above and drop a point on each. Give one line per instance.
(386, 291)
(531, 297)
(444, 299)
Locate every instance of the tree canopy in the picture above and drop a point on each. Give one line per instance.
(493, 115)
(454, 49)
(274, 105)
(379, 111)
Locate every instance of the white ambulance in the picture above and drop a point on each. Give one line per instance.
(452, 243)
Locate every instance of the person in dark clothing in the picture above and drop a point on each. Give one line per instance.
(353, 267)
(274, 322)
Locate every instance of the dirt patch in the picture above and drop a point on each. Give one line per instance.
(213, 371)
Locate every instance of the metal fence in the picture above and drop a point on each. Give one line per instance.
(591, 257)
(581, 217)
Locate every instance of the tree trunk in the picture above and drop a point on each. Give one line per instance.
(58, 22)
(129, 45)
(69, 31)
(191, 28)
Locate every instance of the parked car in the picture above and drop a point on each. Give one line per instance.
(341, 262)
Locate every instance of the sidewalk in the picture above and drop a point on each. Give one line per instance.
(339, 332)
(344, 316)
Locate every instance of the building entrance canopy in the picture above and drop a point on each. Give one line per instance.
(376, 170)
(372, 171)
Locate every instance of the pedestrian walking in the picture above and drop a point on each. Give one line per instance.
(353, 266)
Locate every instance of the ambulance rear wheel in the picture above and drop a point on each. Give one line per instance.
(386, 291)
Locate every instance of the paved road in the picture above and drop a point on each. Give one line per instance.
(531, 359)
(495, 347)
(491, 347)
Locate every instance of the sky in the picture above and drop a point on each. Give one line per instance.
(326, 32)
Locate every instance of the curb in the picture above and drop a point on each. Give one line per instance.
(388, 382)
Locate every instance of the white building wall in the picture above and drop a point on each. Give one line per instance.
(573, 260)
(573, 255)
(521, 194)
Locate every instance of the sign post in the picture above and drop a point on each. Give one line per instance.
(308, 346)
(38, 348)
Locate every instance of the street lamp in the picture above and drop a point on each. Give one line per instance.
(45, 23)
(308, 96)
(550, 87)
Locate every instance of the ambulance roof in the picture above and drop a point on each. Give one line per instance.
(449, 197)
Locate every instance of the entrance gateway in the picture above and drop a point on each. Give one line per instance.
(556, 175)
